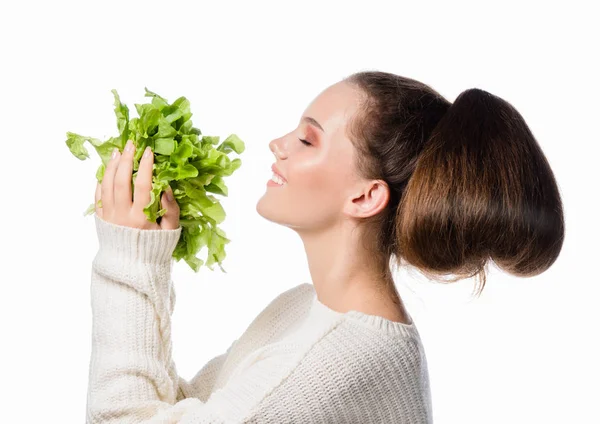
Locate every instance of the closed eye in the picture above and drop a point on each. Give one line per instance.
(305, 142)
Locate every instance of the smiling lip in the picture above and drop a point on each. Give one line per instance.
(272, 183)
(275, 170)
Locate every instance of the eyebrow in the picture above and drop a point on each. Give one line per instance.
(313, 121)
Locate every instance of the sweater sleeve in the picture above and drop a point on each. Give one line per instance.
(203, 383)
(132, 377)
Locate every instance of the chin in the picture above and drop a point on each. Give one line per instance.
(270, 212)
(263, 210)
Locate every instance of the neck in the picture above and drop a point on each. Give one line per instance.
(344, 274)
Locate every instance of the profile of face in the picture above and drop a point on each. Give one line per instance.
(322, 185)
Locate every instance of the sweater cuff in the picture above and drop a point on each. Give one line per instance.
(136, 245)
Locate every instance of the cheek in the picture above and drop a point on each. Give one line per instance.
(323, 188)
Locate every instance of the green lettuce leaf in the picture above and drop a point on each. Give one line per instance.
(192, 164)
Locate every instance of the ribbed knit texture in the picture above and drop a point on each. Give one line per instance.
(297, 362)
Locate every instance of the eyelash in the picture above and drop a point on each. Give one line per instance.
(306, 143)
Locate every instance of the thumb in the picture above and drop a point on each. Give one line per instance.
(170, 220)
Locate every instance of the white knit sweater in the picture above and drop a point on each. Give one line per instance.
(297, 362)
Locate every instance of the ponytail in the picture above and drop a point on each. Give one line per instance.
(470, 182)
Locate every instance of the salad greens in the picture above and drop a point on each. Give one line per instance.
(184, 159)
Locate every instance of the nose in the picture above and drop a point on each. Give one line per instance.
(275, 147)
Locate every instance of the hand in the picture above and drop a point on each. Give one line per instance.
(115, 192)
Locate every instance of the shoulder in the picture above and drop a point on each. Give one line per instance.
(294, 300)
(355, 374)
(276, 317)
(303, 290)
(365, 346)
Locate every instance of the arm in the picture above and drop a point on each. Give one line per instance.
(202, 384)
(132, 376)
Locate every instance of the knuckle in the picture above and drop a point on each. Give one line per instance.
(142, 185)
(121, 184)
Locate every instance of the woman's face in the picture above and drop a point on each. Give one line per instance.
(320, 177)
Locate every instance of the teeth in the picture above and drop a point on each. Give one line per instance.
(277, 179)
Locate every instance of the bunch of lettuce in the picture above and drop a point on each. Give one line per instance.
(184, 159)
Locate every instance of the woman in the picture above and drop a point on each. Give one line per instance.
(380, 167)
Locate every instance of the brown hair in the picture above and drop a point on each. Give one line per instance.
(468, 181)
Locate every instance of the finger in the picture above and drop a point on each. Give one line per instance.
(122, 190)
(143, 181)
(170, 220)
(97, 199)
(107, 191)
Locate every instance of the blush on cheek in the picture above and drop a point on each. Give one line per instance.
(324, 187)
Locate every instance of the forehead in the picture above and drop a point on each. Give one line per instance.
(334, 107)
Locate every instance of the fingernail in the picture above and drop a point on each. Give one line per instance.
(129, 146)
(169, 195)
(147, 152)
(114, 153)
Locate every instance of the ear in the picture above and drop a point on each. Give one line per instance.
(371, 198)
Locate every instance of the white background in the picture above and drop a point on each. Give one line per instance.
(525, 352)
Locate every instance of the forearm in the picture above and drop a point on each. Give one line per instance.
(131, 369)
